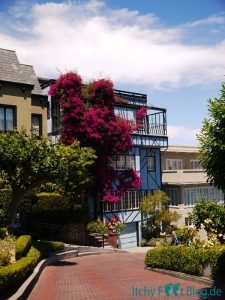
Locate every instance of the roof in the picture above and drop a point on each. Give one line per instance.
(12, 71)
(183, 149)
(30, 76)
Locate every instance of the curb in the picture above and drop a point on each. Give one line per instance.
(24, 290)
(207, 281)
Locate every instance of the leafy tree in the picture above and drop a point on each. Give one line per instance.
(158, 213)
(212, 142)
(27, 162)
(75, 173)
(210, 215)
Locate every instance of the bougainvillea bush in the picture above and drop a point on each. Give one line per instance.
(88, 116)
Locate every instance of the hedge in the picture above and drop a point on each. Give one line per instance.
(23, 244)
(188, 260)
(15, 274)
(48, 247)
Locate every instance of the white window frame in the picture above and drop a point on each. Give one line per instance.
(151, 163)
(194, 163)
(171, 164)
(123, 162)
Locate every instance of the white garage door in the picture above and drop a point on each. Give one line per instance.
(128, 238)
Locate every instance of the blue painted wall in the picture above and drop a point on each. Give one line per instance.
(151, 179)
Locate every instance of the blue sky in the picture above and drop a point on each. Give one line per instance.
(173, 50)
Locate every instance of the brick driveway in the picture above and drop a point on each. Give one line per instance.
(106, 276)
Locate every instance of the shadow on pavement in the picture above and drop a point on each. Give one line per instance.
(63, 263)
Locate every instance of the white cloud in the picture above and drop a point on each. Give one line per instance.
(212, 20)
(128, 47)
(182, 135)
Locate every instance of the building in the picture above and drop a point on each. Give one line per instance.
(22, 103)
(184, 180)
(145, 158)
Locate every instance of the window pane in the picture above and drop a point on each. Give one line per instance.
(151, 163)
(9, 118)
(173, 164)
(130, 162)
(2, 118)
(36, 125)
(121, 162)
(195, 164)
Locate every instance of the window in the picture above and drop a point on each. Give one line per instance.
(129, 201)
(173, 194)
(130, 161)
(7, 118)
(36, 123)
(195, 164)
(188, 221)
(192, 194)
(151, 163)
(123, 162)
(55, 114)
(174, 164)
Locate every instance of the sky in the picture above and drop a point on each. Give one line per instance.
(171, 50)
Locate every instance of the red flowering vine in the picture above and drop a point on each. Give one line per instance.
(88, 116)
(140, 116)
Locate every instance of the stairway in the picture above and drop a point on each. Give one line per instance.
(96, 240)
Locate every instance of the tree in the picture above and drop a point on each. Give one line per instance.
(158, 213)
(27, 162)
(212, 142)
(75, 173)
(210, 215)
(88, 116)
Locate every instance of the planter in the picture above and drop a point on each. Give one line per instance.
(112, 237)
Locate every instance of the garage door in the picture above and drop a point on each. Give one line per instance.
(128, 238)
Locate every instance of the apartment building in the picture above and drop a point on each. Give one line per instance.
(22, 103)
(184, 180)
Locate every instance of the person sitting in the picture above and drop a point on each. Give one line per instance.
(174, 240)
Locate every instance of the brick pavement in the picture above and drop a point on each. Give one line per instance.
(107, 276)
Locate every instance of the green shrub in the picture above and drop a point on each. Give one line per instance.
(188, 260)
(13, 275)
(178, 258)
(23, 244)
(48, 247)
(97, 227)
(186, 234)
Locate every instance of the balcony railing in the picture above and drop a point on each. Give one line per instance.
(154, 124)
(130, 201)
